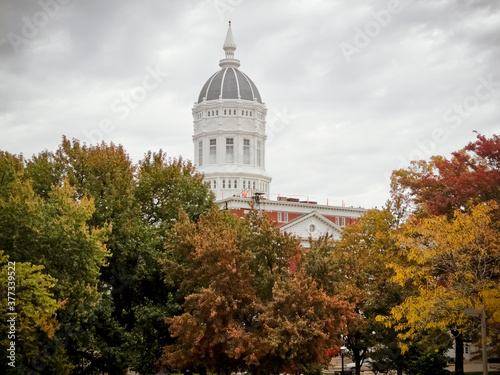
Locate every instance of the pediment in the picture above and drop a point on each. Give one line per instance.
(312, 225)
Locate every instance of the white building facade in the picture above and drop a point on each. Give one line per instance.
(229, 131)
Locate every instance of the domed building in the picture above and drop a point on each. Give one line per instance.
(230, 150)
(229, 131)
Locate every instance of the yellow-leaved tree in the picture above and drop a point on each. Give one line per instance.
(455, 264)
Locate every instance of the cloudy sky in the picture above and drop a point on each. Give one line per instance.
(354, 89)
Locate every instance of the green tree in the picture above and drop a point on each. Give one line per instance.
(30, 324)
(358, 266)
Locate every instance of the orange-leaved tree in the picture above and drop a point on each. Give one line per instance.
(244, 308)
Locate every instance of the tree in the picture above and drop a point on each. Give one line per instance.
(455, 264)
(441, 186)
(30, 324)
(59, 208)
(52, 231)
(300, 323)
(245, 308)
(358, 268)
(211, 331)
(140, 203)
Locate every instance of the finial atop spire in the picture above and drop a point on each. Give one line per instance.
(229, 47)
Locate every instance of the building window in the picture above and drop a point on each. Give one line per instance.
(229, 184)
(250, 113)
(223, 184)
(342, 221)
(337, 220)
(225, 111)
(246, 151)
(282, 217)
(229, 150)
(217, 112)
(236, 184)
(200, 153)
(213, 151)
(254, 185)
(259, 154)
(244, 184)
(215, 184)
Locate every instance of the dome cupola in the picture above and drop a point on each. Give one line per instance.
(229, 82)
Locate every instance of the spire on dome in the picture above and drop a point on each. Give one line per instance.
(229, 47)
(229, 44)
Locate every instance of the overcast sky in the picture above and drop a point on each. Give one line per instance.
(354, 89)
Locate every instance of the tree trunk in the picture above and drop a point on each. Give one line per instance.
(357, 361)
(459, 352)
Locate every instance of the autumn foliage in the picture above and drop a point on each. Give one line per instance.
(441, 186)
(231, 319)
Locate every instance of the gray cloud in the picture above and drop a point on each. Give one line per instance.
(352, 124)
